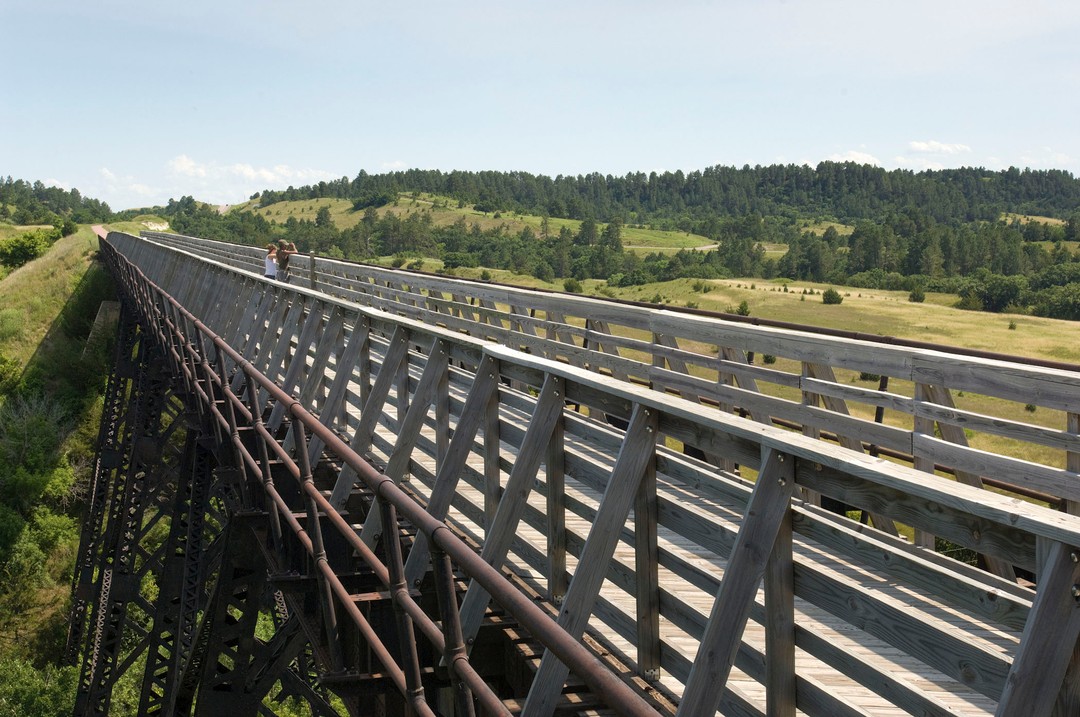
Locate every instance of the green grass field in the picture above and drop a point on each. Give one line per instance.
(819, 227)
(33, 295)
(1009, 217)
(445, 211)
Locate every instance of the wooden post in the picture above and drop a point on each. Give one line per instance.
(780, 626)
(1046, 647)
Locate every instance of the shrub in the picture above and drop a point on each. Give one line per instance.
(917, 295)
(831, 296)
(572, 285)
(485, 275)
(743, 309)
(26, 247)
(768, 358)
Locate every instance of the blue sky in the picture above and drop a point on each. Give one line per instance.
(137, 102)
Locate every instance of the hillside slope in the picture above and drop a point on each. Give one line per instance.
(50, 390)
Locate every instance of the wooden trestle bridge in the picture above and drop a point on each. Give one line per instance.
(377, 492)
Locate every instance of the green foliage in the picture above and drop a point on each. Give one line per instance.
(31, 430)
(11, 527)
(10, 370)
(917, 295)
(572, 285)
(831, 296)
(768, 358)
(27, 689)
(743, 308)
(26, 247)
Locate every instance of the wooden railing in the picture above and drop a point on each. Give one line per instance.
(465, 392)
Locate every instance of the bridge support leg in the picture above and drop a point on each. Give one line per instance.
(122, 563)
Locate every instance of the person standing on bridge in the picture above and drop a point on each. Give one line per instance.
(284, 251)
(270, 271)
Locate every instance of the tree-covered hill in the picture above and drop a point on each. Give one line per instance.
(841, 190)
(22, 202)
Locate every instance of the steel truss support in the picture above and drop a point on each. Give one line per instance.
(113, 559)
(162, 462)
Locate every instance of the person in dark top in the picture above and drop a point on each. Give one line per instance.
(284, 251)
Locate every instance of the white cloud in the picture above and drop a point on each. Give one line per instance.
(231, 183)
(1045, 158)
(392, 166)
(854, 155)
(55, 183)
(935, 147)
(186, 166)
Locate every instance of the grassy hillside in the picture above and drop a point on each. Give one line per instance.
(445, 211)
(49, 412)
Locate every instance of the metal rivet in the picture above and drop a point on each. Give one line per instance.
(1076, 591)
(1075, 557)
(781, 481)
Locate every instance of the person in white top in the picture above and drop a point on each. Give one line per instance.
(271, 261)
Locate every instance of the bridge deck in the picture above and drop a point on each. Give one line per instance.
(557, 432)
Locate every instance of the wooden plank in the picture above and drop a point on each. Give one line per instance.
(1015, 430)
(802, 346)
(975, 462)
(879, 678)
(769, 503)
(1022, 383)
(950, 582)
(834, 389)
(981, 667)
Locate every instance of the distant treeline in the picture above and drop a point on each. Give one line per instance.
(692, 201)
(24, 203)
(990, 265)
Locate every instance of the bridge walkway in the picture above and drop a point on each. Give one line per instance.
(656, 492)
